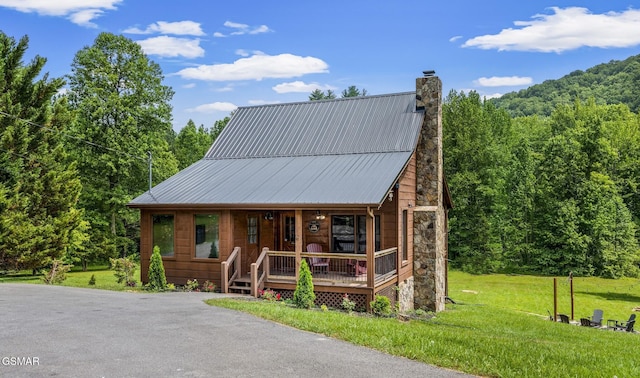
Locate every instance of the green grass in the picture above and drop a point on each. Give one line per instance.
(77, 278)
(500, 331)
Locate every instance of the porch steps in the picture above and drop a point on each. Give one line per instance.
(241, 285)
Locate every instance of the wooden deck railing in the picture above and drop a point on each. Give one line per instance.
(386, 264)
(230, 269)
(342, 268)
(259, 271)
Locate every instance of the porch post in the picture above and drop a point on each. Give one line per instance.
(371, 247)
(298, 241)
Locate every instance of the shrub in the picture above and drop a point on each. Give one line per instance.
(208, 286)
(381, 306)
(347, 304)
(157, 278)
(92, 280)
(57, 273)
(270, 295)
(124, 268)
(304, 296)
(192, 285)
(324, 308)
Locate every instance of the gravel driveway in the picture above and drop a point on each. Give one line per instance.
(55, 331)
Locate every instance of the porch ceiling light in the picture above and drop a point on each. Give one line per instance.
(319, 215)
(268, 216)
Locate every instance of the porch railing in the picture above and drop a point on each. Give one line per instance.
(334, 268)
(259, 271)
(230, 269)
(386, 264)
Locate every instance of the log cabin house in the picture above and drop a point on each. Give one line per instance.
(354, 186)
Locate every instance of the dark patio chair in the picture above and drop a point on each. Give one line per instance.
(317, 262)
(622, 326)
(585, 322)
(564, 318)
(596, 319)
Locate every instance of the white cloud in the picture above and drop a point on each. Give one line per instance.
(493, 95)
(189, 86)
(503, 81)
(172, 47)
(242, 52)
(79, 12)
(455, 38)
(175, 28)
(240, 29)
(566, 29)
(214, 107)
(257, 67)
(300, 87)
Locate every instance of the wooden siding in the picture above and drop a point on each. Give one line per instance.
(406, 201)
(183, 265)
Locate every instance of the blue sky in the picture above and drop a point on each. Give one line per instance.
(218, 55)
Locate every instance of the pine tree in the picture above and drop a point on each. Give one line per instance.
(303, 296)
(39, 188)
(157, 278)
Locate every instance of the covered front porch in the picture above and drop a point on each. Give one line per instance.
(334, 274)
(350, 254)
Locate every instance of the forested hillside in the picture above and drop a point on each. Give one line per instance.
(544, 195)
(616, 82)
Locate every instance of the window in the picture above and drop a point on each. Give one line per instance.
(163, 233)
(207, 236)
(346, 229)
(252, 230)
(405, 235)
(290, 229)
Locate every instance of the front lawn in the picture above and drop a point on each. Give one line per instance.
(105, 278)
(497, 328)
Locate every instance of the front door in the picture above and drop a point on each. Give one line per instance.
(253, 242)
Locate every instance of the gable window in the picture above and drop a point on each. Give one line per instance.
(163, 233)
(207, 236)
(349, 233)
(252, 230)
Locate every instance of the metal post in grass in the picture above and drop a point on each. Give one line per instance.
(555, 299)
(571, 285)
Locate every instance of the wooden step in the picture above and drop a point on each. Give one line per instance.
(244, 279)
(242, 289)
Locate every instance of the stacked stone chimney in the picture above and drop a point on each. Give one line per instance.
(429, 217)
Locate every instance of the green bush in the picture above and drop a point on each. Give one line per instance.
(92, 280)
(157, 278)
(347, 304)
(124, 268)
(304, 296)
(381, 306)
(57, 273)
(192, 285)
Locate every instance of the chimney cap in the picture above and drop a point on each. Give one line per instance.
(429, 73)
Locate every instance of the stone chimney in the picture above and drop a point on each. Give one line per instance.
(429, 217)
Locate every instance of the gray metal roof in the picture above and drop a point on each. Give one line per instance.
(386, 123)
(337, 152)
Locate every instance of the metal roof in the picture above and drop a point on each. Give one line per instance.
(358, 179)
(334, 152)
(385, 123)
